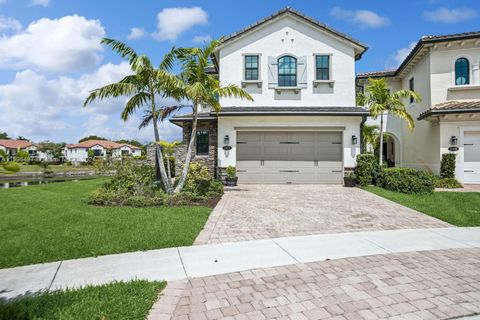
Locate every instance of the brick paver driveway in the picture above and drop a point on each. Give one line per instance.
(420, 285)
(251, 212)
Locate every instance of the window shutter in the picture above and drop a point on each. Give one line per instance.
(302, 72)
(272, 72)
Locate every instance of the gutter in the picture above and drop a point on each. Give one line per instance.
(440, 112)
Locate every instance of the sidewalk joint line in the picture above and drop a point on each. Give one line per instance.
(286, 251)
(55, 275)
(374, 243)
(183, 265)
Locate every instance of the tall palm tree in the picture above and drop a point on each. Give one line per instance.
(168, 149)
(379, 100)
(201, 89)
(143, 87)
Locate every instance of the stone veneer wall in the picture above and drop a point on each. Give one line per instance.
(210, 160)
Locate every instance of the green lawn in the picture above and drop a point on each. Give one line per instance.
(119, 300)
(54, 168)
(54, 222)
(458, 208)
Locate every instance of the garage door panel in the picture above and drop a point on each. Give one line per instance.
(292, 157)
(472, 146)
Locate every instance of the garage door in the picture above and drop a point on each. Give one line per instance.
(471, 168)
(289, 157)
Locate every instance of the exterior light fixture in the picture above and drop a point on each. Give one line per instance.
(354, 140)
(226, 140)
(453, 141)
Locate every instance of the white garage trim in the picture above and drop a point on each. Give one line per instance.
(289, 128)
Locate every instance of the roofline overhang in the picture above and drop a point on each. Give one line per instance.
(434, 112)
(358, 46)
(292, 113)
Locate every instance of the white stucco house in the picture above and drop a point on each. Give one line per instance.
(11, 147)
(303, 125)
(445, 71)
(101, 148)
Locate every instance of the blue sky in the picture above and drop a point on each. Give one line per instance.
(50, 57)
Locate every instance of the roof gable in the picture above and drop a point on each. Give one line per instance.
(360, 48)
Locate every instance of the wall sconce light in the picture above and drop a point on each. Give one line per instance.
(453, 141)
(226, 140)
(354, 140)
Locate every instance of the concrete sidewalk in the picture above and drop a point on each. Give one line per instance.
(205, 260)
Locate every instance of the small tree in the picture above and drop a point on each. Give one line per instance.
(91, 137)
(447, 166)
(168, 149)
(9, 166)
(380, 101)
(22, 156)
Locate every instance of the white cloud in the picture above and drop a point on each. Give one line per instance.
(136, 33)
(52, 108)
(394, 61)
(202, 39)
(363, 18)
(43, 3)
(174, 21)
(9, 24)
(70, 43)
(445, 15)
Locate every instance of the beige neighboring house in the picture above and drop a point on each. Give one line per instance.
(11, 147)
(101, 148)
(445, 71)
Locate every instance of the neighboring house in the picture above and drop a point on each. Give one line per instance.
(445, 71)
(101, 148)
(11, 147)
(303, 125)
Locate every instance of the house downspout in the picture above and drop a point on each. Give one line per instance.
(362, 147)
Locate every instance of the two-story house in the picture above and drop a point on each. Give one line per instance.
(303, 125)
(445, 71)
(101, 149)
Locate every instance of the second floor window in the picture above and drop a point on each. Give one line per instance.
(411, 86)
(287, 72)
(462, 71)
(202, 143)
(251, 67)
(322, 67)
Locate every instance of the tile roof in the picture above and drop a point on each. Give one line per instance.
(104, 143)
(289, 10)
(424, 40)
(15, 144)
(453, 106)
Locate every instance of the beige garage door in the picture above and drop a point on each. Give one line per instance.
(289, 157)
(471, 166)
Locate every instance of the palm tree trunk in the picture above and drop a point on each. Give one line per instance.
(160, 164)
(380, 161)
(168, 169)
(188, 157)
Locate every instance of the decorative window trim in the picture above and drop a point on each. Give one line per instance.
(330, 80)
(470, 71)
(246, 82)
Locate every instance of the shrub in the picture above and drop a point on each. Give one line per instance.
(22, 156)
(447, 166)
(447, 183)
(366, 166)
(231, 172)
(407, 180)
(201, 183)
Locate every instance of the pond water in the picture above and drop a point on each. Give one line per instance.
(25, 183)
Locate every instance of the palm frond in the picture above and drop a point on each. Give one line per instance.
(113, 90)
(134, 103)
(146, 120)
(121, 48)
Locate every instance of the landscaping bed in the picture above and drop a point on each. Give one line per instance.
(461, 209)
(119, 300)
(55, 222)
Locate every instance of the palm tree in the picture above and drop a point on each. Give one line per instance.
(369, 136)
(201, 89)
(169, 150)
(142, 87)
(379, 100)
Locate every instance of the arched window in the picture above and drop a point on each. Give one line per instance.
(462, 71)
(287, 72)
